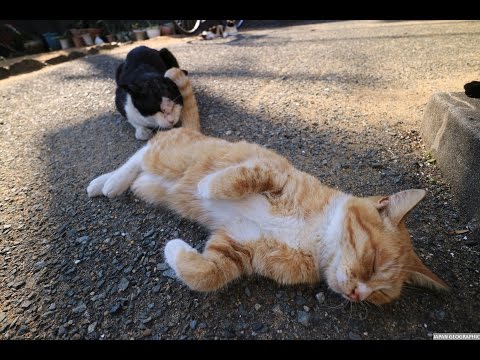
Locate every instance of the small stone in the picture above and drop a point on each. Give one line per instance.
(61, 331)
(170, 274)
(3, 316)
(248, 292)
(303, 318)
(149, 233)
(122, 286)
(320, 297)
(229, 132)
(440, 315)
(162, 266)
(146, 332)
(80, 308)
(257, 307)
(38, 265)
(193, 324)
(76, 336)
(202, 325)
(276, 309)
(115, 308)
(257, 327)
(151, 305)
(82, 239)
(91, 327)
(52, 307)
(300, 300)
(354, 336)
(26, 304)
(156, 289)
(306, 308)
(17, 284)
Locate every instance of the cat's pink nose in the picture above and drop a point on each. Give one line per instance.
(354, 295)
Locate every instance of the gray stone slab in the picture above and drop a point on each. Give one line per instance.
(451, 131)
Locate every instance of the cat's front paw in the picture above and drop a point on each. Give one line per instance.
(96, 185)
(172, 249)
(114, 186)
(203, 187)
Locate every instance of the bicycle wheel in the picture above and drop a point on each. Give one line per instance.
(188, 27)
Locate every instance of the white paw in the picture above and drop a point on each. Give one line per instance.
(172, 249)
(203, 186)
(142, 133)
(96, 185)
(115, 185)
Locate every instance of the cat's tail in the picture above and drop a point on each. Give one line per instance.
(168, 58)
(189, 116)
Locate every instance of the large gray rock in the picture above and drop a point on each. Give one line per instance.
(451, 131)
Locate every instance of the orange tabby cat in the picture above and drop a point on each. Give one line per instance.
(271, 219)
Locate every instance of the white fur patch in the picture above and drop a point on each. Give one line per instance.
(363, 290)
(172, 249)
(143, 124)
(249, 219)
(203, 186)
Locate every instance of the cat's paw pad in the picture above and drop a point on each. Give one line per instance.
(172, 249)
(96, 185)
(143, 133)
(203, 187)
(114, 186)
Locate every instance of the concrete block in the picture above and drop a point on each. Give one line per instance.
(451, 131)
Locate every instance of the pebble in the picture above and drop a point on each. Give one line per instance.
(257, 327)
(80, 308)
(61, 331)
(257, 307)
(39, 265)
(248, 292)
(300, 300)
(276, 309)
(202, 325)
(193, 324)
(52, 307)
(91, 327)
(170, 274)
(82, 239)
(320, 297)
(122, 286)
(146, 332)
(115, 308)
(26, 304)
(162, 266)
(354, 336)
(303, 318)
(76, 336)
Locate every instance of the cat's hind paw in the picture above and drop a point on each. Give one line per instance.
(172, 249)
(96, 185)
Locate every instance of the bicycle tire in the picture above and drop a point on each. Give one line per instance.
(187, 27)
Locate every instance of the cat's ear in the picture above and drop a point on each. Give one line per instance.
(398, 205)
(421, 275)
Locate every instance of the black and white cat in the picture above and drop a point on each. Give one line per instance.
(144, 96)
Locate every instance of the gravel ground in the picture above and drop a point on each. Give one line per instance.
(342, 100)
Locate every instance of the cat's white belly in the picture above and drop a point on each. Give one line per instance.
(249, 220)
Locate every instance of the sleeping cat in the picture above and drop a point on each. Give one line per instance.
(145, 95)
(271, 219)
(219, 30)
